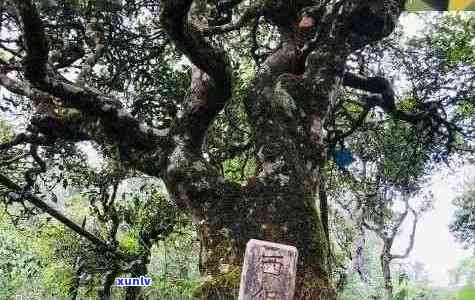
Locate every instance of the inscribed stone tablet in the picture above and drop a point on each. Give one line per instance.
(269, 271)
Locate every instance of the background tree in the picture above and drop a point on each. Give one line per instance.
(378, 146)
(381, 196)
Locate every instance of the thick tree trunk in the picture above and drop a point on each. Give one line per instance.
(275, 214)
(293, 93)
(282, 204)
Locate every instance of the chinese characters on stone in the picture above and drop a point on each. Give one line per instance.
(269, 271)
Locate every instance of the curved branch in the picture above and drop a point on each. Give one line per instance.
(12, 160)
(412, 238)
(378, 85)
(189, 40)
(67, 56)
(105, 124)
(401, 219)
(109, 121)
(36, 65)
(383, 96)
(432, 116)
(24, 89)
(212, 72)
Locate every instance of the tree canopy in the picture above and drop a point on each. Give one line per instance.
(203, 124)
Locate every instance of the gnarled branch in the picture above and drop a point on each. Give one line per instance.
(377, 85)
(190, 41)
(412, 238)
(212, 77)
(383, 97)
(107, 115)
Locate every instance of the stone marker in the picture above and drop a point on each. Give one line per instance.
(268, 272)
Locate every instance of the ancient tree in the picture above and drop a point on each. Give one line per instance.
(290, 107)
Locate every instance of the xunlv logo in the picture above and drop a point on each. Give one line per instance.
(141, 281)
